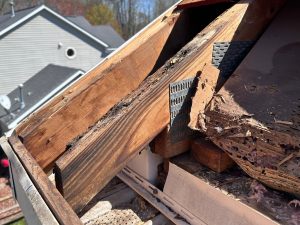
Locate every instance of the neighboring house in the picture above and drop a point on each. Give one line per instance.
(103, 32)
(36, 37)
(36, 91)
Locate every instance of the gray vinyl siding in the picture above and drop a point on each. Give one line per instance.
(33, 45)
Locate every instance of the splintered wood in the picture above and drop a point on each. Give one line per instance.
(205, 90)
(255, 116)
(106, 148)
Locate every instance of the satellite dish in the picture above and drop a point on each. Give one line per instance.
(5, 102)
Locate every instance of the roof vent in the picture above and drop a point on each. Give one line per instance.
(12, 4)
(22, 102)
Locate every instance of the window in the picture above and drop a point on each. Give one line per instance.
(71, 53)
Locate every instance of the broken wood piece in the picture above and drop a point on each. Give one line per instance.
(56, 203)
(210, 155)
(106, 148)
(258, 124)
(207, 83)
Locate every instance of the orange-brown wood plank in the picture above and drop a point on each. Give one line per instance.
(163, 146)
(106, 148)
(210, 155)
(206, 88)
(57, 204)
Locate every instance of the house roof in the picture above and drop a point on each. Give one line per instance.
(6, 20)
(8, 23)
(38, 90)
(103, 32)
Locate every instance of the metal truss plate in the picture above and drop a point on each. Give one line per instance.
(227, 56)
(181, 93)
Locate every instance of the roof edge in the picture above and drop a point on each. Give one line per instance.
(43, 7)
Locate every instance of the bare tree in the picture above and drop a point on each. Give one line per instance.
(162, 5)
(3, 4)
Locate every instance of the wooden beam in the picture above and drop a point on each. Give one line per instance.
(210, 155)
(255, 116)
(163, 146)
(47, 133)
(196, 3)
(56, 203)
(134, 122)
(34, 208)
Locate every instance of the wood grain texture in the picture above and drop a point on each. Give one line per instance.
(206, 88)
(210, 155)
(134, 122)
(212, 205)
(258, 122)
(46, 133)
(56, 203)
(163, 146)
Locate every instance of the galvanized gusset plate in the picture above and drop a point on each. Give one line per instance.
(181, 93)
(227, 56)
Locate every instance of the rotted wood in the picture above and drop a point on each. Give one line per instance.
(255, 116)
(106, 148)
(206, 88)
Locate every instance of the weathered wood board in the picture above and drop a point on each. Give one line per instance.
(31, 202)
(255, 116)
(47, 133)
(211, 205)
(134, 122)
(237, 189)
(62, 212)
